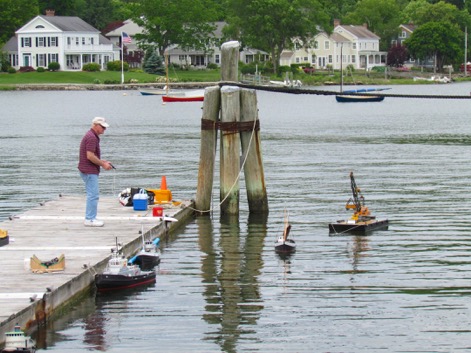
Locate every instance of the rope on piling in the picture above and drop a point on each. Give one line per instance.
(333, 93)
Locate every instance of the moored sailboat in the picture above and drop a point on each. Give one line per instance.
(351, 96)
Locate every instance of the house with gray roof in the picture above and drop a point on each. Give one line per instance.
(67, 40)
(354, 45)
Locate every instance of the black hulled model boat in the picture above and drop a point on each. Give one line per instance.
(119, 274)
(361, 222)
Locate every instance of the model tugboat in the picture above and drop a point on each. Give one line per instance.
(149, 256)
(121, 275)
(284, 244)
(16, 341)
(361, 221)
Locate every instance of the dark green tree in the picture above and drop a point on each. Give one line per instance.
(153, 63)
(439, 40)
(61, 7)
(14, 14)
(98, 13)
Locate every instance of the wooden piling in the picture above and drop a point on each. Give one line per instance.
(252, 152)
(230, 150)
(230, 61)
(209, 134)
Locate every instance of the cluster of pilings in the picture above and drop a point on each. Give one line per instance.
(232, 111)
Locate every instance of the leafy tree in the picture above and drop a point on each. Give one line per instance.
(338, 8)
(397, 55)
(381, 16)
(187, 23)
(420, 12)
(270, 25)
(440, 40)
(413, 11)
(13, 15)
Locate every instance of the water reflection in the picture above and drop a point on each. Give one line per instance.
(231, 276)
(357, 248)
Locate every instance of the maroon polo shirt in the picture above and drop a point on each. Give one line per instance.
(90, 142)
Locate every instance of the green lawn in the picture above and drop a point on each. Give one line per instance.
(8, 81)
(82, 77)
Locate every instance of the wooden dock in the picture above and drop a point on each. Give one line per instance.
(56, 227)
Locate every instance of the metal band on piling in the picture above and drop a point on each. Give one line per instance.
(230, 127)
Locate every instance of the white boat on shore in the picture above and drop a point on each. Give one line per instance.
(437, 79)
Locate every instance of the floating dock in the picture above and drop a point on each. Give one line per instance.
(56, 227)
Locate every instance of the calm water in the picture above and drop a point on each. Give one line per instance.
(221, 287)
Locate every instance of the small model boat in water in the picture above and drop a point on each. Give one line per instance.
(361, 221)
(16, 341)
(284, 244)
(120, 275)
(149, 256)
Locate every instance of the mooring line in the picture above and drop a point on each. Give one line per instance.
(333, 93)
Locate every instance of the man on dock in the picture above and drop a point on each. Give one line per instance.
(89, 166)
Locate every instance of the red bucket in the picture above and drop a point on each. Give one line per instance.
(157, 211)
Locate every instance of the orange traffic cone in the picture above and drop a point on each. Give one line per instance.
(163, 183)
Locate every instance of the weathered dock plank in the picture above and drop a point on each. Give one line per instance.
(56, 228)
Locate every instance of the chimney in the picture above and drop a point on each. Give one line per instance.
(50, 12)
(336, 22)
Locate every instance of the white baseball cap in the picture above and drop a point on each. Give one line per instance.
(100, 121)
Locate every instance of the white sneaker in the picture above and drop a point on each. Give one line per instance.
(94, 223)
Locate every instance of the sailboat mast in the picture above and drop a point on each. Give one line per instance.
(166, 72)
(341, 68)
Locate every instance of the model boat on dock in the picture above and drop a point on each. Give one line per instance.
(4, 239)
(361, 222)
(284, 244)
(121, 275)
(16, 341)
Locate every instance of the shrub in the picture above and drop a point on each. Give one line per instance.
(282, 69)
(11, 70)
(26, 69)
(116, 66)
(212, 66)
(247, 69)
(91, 67)
(111, 82)
(53, 66)
(4, 63)
(97, 81)
(40, 69)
